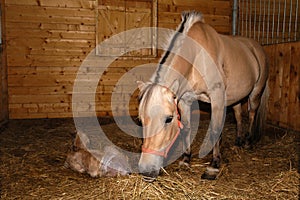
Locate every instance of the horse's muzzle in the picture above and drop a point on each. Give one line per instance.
(149, 166)
(149, 172)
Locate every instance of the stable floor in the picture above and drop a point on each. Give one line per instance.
(33, 153)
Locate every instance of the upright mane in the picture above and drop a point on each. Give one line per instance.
(187, 21)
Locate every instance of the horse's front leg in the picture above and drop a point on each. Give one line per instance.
(213, 136)
(212, 170)
(185, 110)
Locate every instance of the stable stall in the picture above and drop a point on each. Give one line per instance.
(53, 50)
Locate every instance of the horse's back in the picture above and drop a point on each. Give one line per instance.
(241, 61)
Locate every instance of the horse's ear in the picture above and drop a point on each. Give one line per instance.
(141, 85)
(174, 86)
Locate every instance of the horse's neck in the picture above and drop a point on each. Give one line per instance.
(179, 70)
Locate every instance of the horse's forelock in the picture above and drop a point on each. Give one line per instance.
(151, 92)
(144, 97)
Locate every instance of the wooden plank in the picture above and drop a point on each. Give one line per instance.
(3, 71)
(283, 62)
(294, 88)
(60, 89)
(30, 111)
(49, 11)
(50, 19)
(55, 3)
(205, 9)
(276, 92)
(168, 17)
(55, 34)
(40, 80)
(50, 43)
(212, 10)
(49, 26)
(52, 70)
(22, 70)
(49, 51)
(104, 110)
(284, 85)
(270, 50)
(114, 71)
(40, 60)
(66, 89)
(50, 98)
(171, 20)
(25, 115)
(202, 3)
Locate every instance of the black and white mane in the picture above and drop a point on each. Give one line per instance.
(187, 20)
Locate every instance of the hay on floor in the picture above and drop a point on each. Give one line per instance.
(33, 153)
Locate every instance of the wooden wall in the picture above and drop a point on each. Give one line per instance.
(216, 12)
(46, 43)
(284, 83)
(3, 75)
(48, 40)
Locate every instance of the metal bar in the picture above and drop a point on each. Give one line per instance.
(242, 19)
(264, 21)
(273, 20)
(254, 25)
(268, 22)
(278, 23)
(246, 18)
(283, 24)
(239, 18)
(296, 21)
(259, 22)
(250, 14)
(234, 16)
(290, 21)
(0, 27)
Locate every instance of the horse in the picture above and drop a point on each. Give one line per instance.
(222, 72)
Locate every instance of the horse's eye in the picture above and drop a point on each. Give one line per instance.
(169, 119)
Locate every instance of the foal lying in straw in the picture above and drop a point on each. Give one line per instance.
(96, 163)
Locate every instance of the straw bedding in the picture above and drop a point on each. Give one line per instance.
(33, 153)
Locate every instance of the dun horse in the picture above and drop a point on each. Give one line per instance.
(238, 69)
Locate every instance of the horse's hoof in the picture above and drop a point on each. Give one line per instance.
(186, 159)
(215, 163)
(210, 173)
(239, 142)
(184, 163)
(208, 176)
(248, 146)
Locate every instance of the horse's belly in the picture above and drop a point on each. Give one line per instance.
(240, 82)
(237, 92)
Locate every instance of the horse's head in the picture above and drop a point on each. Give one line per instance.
(158, 113)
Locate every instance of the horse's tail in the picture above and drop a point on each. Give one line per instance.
(260, 121)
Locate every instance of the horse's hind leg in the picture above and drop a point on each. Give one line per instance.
(238, 116)
(252, 107)
(253, 104)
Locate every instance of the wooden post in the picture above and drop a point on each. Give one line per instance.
(3, 71)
